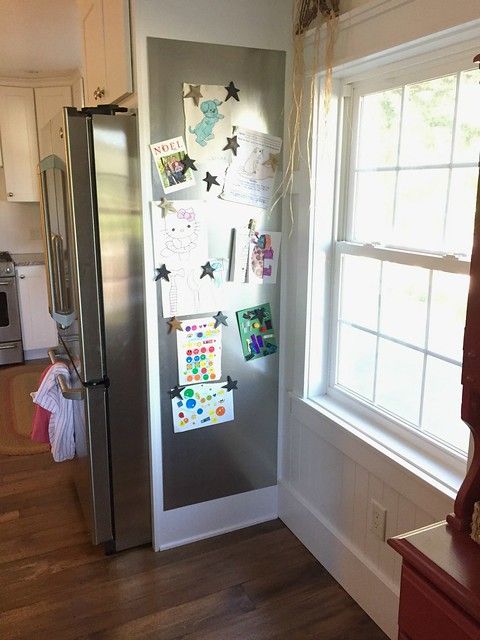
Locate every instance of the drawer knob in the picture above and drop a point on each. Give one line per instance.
(10, 194)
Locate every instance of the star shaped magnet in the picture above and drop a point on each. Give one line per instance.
(231, 384)
(162, 273)
(209, 179)
(167, 206)
(175, 325)
(220, 318)
(207, 270)
(188, 163)
(232, 92)
(176, 392)
(232, 144)
(194, 93)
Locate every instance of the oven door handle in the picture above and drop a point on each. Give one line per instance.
(69, 393)
(8, 346)
(4, 283)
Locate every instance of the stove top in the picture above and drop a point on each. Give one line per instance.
(7, 267)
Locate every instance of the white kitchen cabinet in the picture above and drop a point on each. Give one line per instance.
(107, 50)
(38, 328)
(19, 143)
(48, 104)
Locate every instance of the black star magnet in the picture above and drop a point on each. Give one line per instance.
(231, 144)
(194, 93)
(176, 392)
(232, 92)
(220, 318)
(162, 273)
(207, 270)
(231, 384)
(188, 163)
(209, 179)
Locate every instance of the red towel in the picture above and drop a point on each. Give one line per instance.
(41, 418)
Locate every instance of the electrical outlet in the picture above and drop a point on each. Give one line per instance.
(378, 519)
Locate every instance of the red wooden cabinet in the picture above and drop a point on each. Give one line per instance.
(440, 588)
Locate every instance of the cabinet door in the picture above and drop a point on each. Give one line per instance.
(19, 143)
(94, 50)
(48, 103)
(38, 329)
(118, 55)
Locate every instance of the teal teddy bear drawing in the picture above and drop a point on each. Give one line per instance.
(204, 129)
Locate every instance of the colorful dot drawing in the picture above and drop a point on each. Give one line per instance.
(203, 405)
(199, 351)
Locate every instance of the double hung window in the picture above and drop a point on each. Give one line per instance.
(402, 251)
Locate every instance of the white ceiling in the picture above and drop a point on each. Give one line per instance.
(40, 36)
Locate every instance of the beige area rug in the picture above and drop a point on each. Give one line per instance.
(16, 409)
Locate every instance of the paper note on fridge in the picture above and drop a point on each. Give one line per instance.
(199, 351)
(250, 178)
(202, 405)
(181, 244)
(169, 156)
(263, 256)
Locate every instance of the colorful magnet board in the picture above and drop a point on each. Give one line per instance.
(199, 350)
(256, 332)
(202, 405)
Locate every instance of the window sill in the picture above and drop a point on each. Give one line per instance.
(346, 430)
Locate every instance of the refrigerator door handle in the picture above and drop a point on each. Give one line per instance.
(69, 393)
(64, 318)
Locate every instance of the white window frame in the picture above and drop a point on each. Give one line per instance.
(435, 461)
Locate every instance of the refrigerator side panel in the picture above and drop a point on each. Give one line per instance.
(121, 250)
(83, 339)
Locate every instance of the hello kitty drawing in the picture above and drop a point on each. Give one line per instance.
(181, 244)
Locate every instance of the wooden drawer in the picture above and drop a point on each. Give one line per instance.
(426, 614)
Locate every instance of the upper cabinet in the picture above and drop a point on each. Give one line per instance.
(107, 50)
(19, 143)
(48, 104)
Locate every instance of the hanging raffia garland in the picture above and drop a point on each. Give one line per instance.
(308, 18)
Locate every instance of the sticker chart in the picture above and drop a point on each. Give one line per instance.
(202, 405)
(256, 332)
(199, 350)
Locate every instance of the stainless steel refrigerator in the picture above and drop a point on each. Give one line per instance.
(89, 175)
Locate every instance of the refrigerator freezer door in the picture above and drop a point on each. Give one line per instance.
(121, 250)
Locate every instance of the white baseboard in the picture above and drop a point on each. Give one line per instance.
(347, 564)
(212, 518)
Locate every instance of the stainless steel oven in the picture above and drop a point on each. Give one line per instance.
(11, 349)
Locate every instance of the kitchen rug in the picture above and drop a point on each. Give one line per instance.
(16, 409)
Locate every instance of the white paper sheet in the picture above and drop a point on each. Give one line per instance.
(181, 243)
(202, 405)
(241, 249)
(208, 124)
(250, 178)
(199, 351)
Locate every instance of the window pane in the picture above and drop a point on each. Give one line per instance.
(467, 141)
(379, 129)
(421, 203)
(399, 380)
(373, 208)
(360, 291)
(442, 403)
(404, 297)
(356, 360)
(461, 210)
(428, 121)
(447, 314)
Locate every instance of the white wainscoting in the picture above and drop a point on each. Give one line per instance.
(324, 497)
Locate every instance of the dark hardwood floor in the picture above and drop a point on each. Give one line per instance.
(256, 584)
